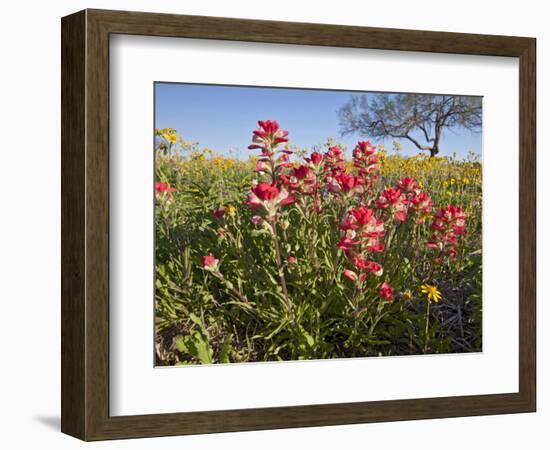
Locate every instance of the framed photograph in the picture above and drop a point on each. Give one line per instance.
(273, 225)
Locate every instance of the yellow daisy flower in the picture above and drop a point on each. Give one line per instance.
(432, 293)
(170, 138)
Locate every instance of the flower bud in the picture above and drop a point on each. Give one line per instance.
(351, 275)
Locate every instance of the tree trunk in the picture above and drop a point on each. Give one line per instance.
(435, 148)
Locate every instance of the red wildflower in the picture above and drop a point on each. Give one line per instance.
(316, 158)
(348, 182)
(360, 262)
(362, 215)
(219, 213)
(290, 183)
(386, 291)
(395, 201)
(269, 196)
(370, 266)
(375, 246)
(286, 199)
(364, 149)
(209, 262)
(334, 160)
(335, 152)
(450, 217)
(364, 219)
(347, 243)
(163, 188)
(268, 136)
(421, 202)
(361, 222)
(448, 223)
(351, 275)
(407, 184)
(163, 192)
(365, 160)
(388, 197)
(302, 172)
(266, 191)
(374, 268)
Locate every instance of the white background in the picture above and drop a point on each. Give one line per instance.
(136, 387)
(30, 237)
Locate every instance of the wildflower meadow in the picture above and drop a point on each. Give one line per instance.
(296, 254)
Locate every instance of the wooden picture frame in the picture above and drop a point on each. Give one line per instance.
(85, 224)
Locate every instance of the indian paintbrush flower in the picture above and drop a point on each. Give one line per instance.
(448, 224)
(268, 136)
(386, 291)
(395, 202)
(316, 158)
(350, 275)
(162, 188)
(269, 197)
(219, 213)
(163, 192)
(209, 262)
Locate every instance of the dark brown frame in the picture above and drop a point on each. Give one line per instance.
(85, 224)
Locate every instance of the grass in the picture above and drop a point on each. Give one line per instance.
(278, 289)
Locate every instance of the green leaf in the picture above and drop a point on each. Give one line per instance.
(181, 344)
(226, 349)
(196, 345)
(196, 319)
(309, 339)
(204, 351)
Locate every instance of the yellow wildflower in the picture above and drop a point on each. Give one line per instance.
(432, 293)
(172, 138)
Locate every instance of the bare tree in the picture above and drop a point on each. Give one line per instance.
(419, 119)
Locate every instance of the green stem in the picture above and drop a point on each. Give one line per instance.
(166, 220)
(279, 262)
(242, 297)
(427, 327)
(356, 303)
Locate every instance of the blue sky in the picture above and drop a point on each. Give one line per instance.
(222, 117)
